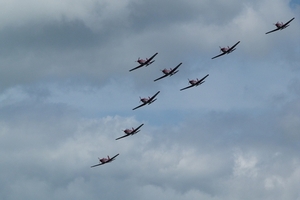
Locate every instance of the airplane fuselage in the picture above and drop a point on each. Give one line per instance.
(128, 131)
(279, 25)
(166, 71)
(193, 82)
(227, 50)
(145, 100)
(103, 160)
(141, 61)
(169, 72)
(224, 49)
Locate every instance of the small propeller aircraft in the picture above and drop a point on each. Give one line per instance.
(169, 72)
(195, 82)
(281, 26)
(129, 132)
(146, 101)
(105, 160)
(226, 50)
(143, 62)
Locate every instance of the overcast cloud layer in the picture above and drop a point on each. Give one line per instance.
(66, 93)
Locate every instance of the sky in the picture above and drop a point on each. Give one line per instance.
(66, 93)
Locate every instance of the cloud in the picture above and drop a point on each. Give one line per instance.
(66, 94)
(196, 159)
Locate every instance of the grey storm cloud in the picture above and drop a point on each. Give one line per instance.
(66, 93)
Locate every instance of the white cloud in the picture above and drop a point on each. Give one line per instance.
(245, 165)
(66, 94)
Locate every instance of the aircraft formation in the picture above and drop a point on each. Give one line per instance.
(170, 72)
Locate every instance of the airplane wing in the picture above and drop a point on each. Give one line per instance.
(111, 159)
(288, 22)
(139, 106)
(141, 65)
(150, 58)
(219, 55)
(202, 79)
(138, 128)
(187, 87)
(126, 135)
(153, 96)
(230, 49)
(98, 164)
(273, 30)
(161, 77)
(175, 68)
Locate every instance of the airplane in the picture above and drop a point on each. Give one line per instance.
(195, 82)
(105, 160)
(143, 62)
(226, 50)
(146, 101)
(169, 72)
(129, 132)
(281, 26)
